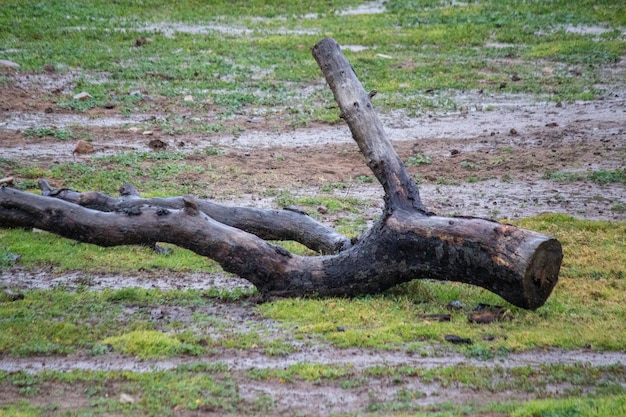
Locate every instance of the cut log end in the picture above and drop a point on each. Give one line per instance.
(542, 274)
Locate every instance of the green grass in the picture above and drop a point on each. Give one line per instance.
(57, 322)
(438, 51)
(602, 177)
(204, 386)
(40, 132)
(69, 255)
(150, 344)
(157, 393)
(576, 407)
(154, 173)
(584, 310)
(433, 46)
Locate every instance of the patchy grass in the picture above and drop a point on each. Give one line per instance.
(130, 321)
(203, 386)
(160, 173)
(40, 132)
(584, 310)
(69, 255)
(150, 344)
(583, 407)
(423, 55)
(128, 393)
(420, 55)
(602, 177)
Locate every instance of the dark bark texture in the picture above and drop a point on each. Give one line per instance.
(406, 243)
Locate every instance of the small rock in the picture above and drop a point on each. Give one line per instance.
(49, 68)
(482, 317)
(437, 317)
(126, 399)
(515, 78)
(141, 41)
(7, 180)
(109, 105)
(485, 314)
(49, 110)
(134, 129)
(552, 124)
(454, 152)
(13, 296)
(341, 329)
(454, 305)
(82, 96)
(188, 99)
(158, 249)
(147, 133)
(135, 93)
(452, 338)
(157, 314)
(559, 104)
(83, 147)
(322, 209)
(9, 64)
(547, 70)
(157, 144)
(513, 132)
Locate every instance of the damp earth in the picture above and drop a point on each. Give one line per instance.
(494, 157)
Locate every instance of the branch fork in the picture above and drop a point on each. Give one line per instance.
(407, 242)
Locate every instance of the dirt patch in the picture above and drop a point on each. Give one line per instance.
(23, 280)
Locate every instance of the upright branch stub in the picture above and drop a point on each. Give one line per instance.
(367, 130)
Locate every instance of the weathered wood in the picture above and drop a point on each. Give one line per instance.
(519, 265)
(266, 224)
(367, 130)
(407, 242)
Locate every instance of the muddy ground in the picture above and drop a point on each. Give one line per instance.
(488, 159)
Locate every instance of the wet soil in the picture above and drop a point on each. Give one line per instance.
(490, 160)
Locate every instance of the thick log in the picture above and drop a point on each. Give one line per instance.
(519, 265)
(406, 243)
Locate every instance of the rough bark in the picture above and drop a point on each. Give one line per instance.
(267, 224)
(406, 243)
(357, 110)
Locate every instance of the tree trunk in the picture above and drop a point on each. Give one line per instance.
(407, 242)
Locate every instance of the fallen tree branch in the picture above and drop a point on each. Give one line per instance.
(407, 242)
(266, 224)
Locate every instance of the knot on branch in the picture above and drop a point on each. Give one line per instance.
(162, 211)
(132, 211)
(129, 190)
(191, 206)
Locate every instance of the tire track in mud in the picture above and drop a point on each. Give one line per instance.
(358, 359)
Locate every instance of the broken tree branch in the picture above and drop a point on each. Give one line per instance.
(266, 224)
(407, 242)
(356, 109)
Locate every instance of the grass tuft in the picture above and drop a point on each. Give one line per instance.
(150, 344)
